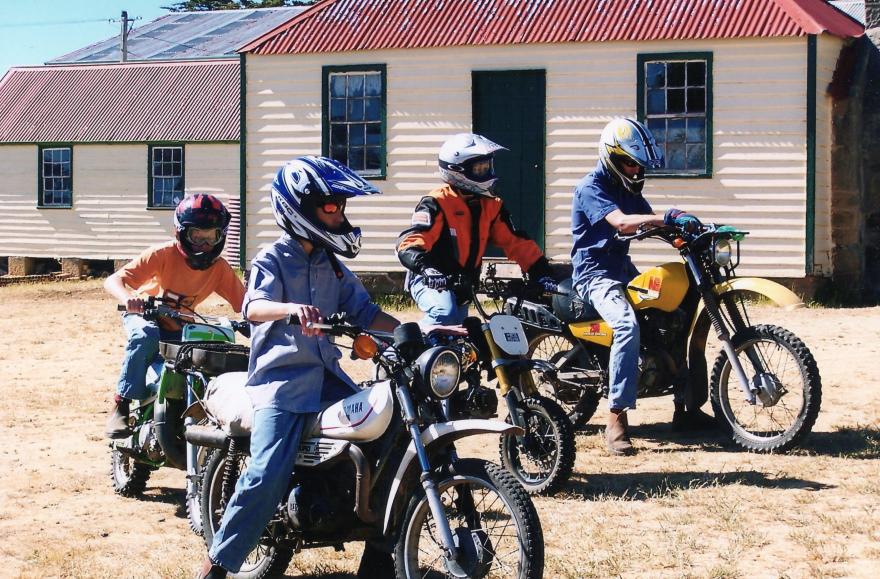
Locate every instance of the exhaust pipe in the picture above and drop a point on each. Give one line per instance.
(205, 435)
(363, 479)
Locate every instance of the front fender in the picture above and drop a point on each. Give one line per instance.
(440, 435)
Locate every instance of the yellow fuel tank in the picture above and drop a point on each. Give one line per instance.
(662, 287)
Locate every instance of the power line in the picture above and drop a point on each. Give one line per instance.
(49, 23)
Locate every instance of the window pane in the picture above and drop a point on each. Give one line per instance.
(374, 134)
(356, 110)
(340, 154)
(177, 154)
(696, 157)
(373, 85)
(696, 74)
(337, 85)
(374, 159)
(675, 100)
(658, 129)
(656, 102)
(655, 75)
(337, 110)
(696, 130)
(675, 156)
(675, 131)
(357, 135)
(357, 159)
(338, 135)
(675, 73)
(356, 86)
(373, 109)
(696, 100)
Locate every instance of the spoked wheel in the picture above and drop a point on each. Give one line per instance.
(493, 522)
(543, 457)
(791, 390)
(194, 495)
(578, 402)
(129, 477)
(266, 559)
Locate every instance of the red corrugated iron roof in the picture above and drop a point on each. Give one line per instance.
(351, 25)
(193, 101)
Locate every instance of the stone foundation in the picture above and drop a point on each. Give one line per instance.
(21, 266)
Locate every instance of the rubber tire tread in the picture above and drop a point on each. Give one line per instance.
(137, 481)
(588, 403)
(566, 442)
(533, 536)
(812, 388)
(280, 557)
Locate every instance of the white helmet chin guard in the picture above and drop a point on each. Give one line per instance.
(627, 141)
(467, 163)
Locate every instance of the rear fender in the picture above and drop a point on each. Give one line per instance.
(435, 437)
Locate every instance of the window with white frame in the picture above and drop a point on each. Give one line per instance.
(675, 101)
(166, 176)
(354, 117)
(56, 177)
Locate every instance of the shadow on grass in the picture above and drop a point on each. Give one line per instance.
(859, 442)
(643, 486)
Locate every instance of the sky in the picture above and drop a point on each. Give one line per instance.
(34, 31)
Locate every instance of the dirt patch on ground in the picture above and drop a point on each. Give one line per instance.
(680, 507)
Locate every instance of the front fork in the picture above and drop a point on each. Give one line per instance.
(428, 484)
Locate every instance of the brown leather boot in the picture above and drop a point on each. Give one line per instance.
(210, 571)
(117, 423)
(616, 435)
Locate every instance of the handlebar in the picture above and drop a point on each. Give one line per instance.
(337, 325)
(670, 233)
(154, 309)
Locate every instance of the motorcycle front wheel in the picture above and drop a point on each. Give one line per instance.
(129, 477)
(492, 519)
(542, 458)
(784, 361)
(266, 559)
(579, 403)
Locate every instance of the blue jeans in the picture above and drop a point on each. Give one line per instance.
(610, 300)
(140, 351)
(275, 442)
(441, 307)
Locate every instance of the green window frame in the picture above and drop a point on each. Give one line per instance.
(55, 180)
(166, 169)
(354, 117)
(675, 101)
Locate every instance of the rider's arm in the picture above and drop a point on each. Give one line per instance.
(425, 228)
(124, 294)
(630, 223)
(262, 310)
(515, 243)
(384, 322)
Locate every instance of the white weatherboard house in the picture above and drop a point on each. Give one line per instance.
(735, 92)
(95, 153)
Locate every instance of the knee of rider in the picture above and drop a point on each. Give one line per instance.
(626, 328)
(144, 335)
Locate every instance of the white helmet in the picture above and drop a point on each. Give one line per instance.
(302, 185)
(467, 162)
(629, 141)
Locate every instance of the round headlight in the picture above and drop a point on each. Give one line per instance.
(442, 376)
(722, 252)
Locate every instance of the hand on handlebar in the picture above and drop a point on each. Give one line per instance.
(435, 279)
(549, 284)
(135, 305)
(307, 315)
(684, 221)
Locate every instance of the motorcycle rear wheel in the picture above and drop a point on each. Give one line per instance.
(482, 501)
(543, 458)
(551, 347)
(265, 560)
(129, 477)
(783, 425)
(194, 495)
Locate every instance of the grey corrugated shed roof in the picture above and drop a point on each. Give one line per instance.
(186, 35)
(855, 9)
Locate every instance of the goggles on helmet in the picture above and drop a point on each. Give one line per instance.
(331, 206)
(209, 236)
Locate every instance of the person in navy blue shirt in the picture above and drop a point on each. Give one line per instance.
(294, 369)
(607, 201)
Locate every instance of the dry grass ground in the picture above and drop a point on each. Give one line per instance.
(682, 507)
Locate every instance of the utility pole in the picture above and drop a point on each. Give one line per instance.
(125, 24)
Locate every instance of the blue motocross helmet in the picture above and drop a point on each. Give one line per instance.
(306, 183)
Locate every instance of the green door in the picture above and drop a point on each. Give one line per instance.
(509, 108)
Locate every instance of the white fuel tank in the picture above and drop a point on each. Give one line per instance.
(361, 417)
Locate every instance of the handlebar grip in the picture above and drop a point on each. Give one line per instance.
(121, 308)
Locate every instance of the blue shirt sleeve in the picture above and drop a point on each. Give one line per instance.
(355, 301)
(595, 203)
(264, 282)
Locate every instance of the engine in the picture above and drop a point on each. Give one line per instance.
(322, 503)
(147, 443)
(662, 350)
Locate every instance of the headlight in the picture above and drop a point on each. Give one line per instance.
(439, 370)
(722, 252)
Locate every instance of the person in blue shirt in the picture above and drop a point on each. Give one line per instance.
(607, 201)
(294, 369)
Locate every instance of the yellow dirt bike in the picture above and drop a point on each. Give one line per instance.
(765, 385)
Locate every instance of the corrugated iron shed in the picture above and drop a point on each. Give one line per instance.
(186, 36)
(855, 9)
(353, 25)
(183, 101)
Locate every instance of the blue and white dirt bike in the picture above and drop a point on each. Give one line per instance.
(176, 380)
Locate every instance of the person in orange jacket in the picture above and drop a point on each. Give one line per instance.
(453, 224)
